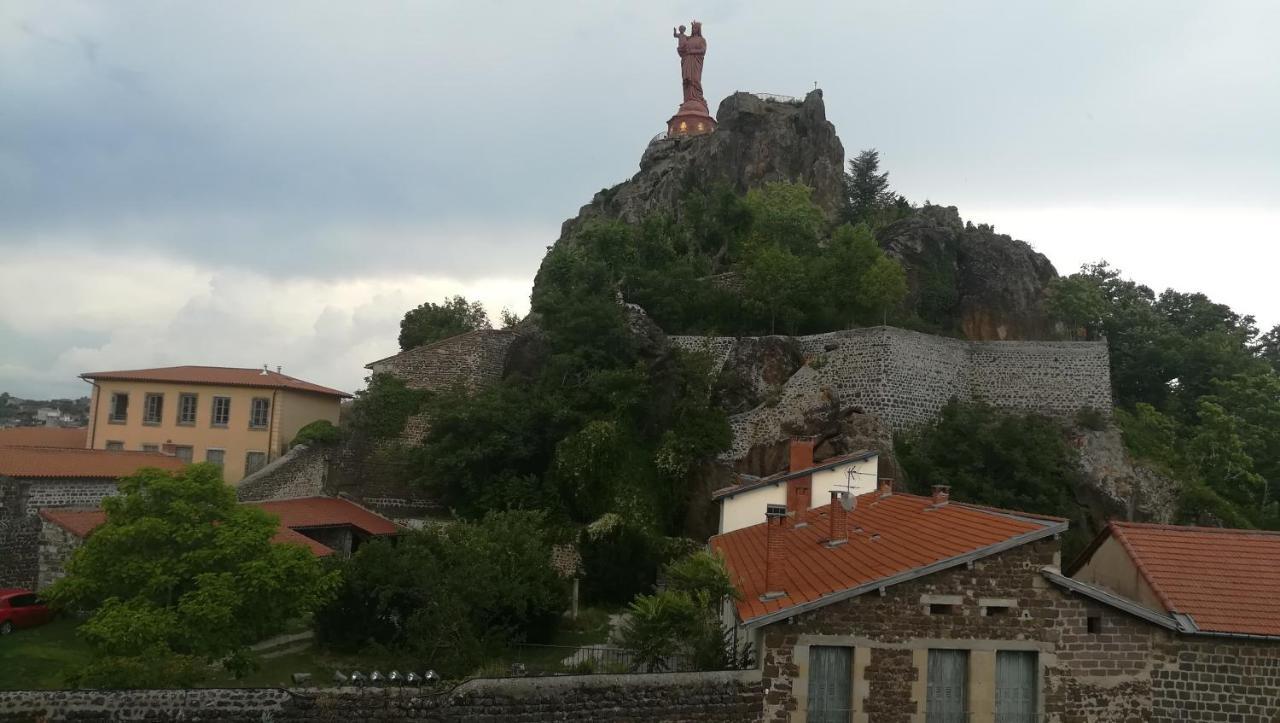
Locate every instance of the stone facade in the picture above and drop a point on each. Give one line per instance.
(55, 548)
(1113, 668)
(301, 472)
(728, 697)
(20, 525)
(19, 544)
(905, 378)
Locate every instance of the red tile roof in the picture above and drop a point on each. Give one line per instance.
(889, 537)
(222, 376)
(1227, 580)
(305, 512)
(296, 514)
(65, 462)
(69, 437)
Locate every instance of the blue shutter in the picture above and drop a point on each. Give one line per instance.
(948, 687)
(830, 684)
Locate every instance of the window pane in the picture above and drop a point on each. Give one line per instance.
(183, 453)
(119, 406)
(948, 687)
(1016, 686)
(215, 456)
(154, 409)
(830, 684)
(115, 446)
(221, 411)
(260, 412)
(150, 448)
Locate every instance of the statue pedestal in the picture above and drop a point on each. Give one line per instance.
(692, 119)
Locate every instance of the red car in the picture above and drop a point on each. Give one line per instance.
(21, 609)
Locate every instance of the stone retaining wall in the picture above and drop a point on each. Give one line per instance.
(19, 542)
(301, 472)
(721, 697)
(905, 378)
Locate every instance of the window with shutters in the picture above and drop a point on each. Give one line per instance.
(948, 687)
(260, 413)
(118, 412)
(254, 461)
(187, 409)
(830, 684)
(152, 408)
(1016, 687)
(221, 411)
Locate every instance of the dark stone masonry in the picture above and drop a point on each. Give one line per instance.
(726, 697)
(905, 378)
(301, 472)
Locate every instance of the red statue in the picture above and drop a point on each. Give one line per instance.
(693, 117)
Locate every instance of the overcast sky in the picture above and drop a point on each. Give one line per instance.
(248, 182)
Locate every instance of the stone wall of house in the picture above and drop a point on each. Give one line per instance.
(300, 472)
(46, 492)
(19, 544)
(905, 377)
(1120, 669)
(728, 697)
(55, 547)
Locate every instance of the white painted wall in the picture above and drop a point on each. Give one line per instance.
(747, 508)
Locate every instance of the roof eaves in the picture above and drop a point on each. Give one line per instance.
(1117, 531)
(1112, 600)
(759, 482)
(908, 575)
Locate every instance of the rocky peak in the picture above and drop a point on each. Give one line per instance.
(969, 279)
(758, 140)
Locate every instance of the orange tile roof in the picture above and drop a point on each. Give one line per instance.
(296, 514)
(69, 437)
(1227, 580)
(890, 539)
(66, 462)
(223, 376)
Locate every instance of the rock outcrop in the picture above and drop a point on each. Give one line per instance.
(757, 141)
(969, 279)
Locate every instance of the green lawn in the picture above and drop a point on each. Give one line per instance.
(35, 658)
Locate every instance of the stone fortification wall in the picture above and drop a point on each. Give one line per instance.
(20, 524)
(715, 697)
(19, 542)
(301, 472)
(45, 492)
(905, 377)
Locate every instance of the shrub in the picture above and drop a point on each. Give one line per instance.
(320, 433)
(619, 560)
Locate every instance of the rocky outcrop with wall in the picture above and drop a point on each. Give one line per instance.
(904, 378)
(301, 472)
(719, 697)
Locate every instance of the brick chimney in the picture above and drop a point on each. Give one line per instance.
(941, 493)
(800, 489)
(838, 518)
(884, 487)
(775, 555)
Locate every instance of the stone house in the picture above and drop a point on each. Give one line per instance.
(908, 608)
(34, 477)
(325, 525)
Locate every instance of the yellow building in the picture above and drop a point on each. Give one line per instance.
(240, 419)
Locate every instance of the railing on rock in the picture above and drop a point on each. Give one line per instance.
(775, 98)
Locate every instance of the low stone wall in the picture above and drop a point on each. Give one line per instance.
(43, 492)
(301, 472)
(725, 697)
(55, 548)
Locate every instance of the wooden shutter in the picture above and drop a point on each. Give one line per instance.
(830, 684)
(1016, 686)
(948, 689)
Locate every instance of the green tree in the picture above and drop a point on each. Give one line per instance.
(1268, 347)
(881, 287)
(774, 280)
(381, 409)
(181, 576)
(320, 433)
(868, 198)
(1078, 302)
(432, 322)
(451, 596)
(784, 215)
(684, 619)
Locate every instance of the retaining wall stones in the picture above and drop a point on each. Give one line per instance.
(721, 697)
(905, 378)
(19, 542)
(300, 472)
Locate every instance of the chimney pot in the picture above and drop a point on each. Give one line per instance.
(775, 557)
(941, 493)
(885, 487)
(838, 519)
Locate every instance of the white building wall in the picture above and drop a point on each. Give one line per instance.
(747, 508)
